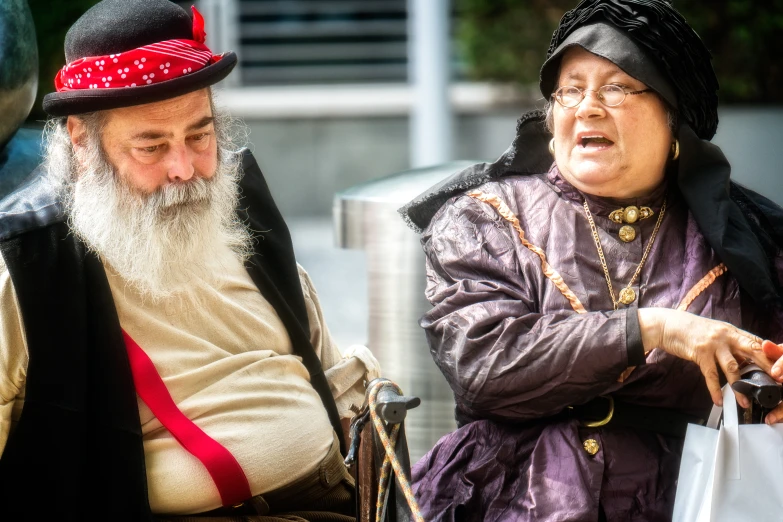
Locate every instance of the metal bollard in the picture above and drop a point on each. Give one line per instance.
(365, 217)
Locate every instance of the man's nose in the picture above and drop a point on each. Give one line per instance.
(180, 164)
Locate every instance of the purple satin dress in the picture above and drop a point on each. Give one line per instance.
(515, 352)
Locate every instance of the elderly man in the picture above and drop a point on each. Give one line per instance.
(161, 352)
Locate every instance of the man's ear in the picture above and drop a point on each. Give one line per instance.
(77, 130)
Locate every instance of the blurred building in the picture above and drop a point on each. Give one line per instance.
(323, 86)
(315, 41)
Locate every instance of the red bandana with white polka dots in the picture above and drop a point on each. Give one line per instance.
(153, 63)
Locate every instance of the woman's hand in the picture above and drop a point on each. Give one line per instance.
(707, 342)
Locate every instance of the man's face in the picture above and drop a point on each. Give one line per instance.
(147, 192)
(153, 145)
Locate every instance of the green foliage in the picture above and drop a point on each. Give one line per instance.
(506, 40)
(52, 20)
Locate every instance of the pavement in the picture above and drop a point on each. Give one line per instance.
(339, 277)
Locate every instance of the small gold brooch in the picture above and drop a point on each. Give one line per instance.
(631, 214)
(627, 233)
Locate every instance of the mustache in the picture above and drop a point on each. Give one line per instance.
(195, 191)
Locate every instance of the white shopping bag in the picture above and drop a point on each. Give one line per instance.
(730, 474)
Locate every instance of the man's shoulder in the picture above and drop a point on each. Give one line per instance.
(32, 205)
(248, 161)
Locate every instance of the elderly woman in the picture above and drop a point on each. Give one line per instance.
(584, 310)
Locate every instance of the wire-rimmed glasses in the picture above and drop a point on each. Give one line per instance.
(610, 95)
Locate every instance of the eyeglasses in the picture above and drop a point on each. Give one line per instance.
(610, 95)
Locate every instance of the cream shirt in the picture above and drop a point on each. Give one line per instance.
(227, 361)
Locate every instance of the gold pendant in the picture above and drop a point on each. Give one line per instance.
(627, 233)
(627, 296)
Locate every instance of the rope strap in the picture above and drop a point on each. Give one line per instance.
(551, 274)
(701, 286)
(390, 459)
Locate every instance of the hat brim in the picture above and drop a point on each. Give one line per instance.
(90, 100)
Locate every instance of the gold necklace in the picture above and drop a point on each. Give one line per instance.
(627, 295)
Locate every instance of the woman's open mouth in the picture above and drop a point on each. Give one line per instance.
(594, 143)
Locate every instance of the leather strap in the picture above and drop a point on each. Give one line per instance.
(224, 469)
(667, 422)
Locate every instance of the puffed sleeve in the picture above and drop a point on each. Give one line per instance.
(346, 372)
(501, 355)
(13, 353)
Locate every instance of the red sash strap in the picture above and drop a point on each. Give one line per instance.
(226, 472)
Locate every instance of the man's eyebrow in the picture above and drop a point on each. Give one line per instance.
(156, 135)
(203, 122)
(151, 135)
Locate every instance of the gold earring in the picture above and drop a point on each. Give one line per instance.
(552, 146)
(675, 149)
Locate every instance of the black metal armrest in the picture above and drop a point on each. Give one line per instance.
(366, 453)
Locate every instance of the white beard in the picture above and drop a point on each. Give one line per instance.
(156, 242)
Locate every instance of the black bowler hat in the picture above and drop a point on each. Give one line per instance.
(131, 52)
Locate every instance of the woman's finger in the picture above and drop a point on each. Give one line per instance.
(776, 415)
(777, 370)
(731, 370)
(749, 346)
(772, 350)
(728, 364)
(710, 372)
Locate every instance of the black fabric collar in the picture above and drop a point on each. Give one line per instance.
(744, 228)
(528, 154)
(32, 205)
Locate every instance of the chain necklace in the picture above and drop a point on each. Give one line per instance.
(627, 295)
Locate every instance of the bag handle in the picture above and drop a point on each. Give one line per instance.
(728, 444)
(730, 418)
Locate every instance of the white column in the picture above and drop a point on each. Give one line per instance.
(221, 23)
(429, 71)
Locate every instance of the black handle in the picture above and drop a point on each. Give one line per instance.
(760, 387)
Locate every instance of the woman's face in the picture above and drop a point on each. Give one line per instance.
(632, 162)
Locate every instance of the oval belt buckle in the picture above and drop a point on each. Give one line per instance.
(605, 420)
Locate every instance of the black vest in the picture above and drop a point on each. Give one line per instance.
(77, 452)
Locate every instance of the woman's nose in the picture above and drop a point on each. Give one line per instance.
(590, 106)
